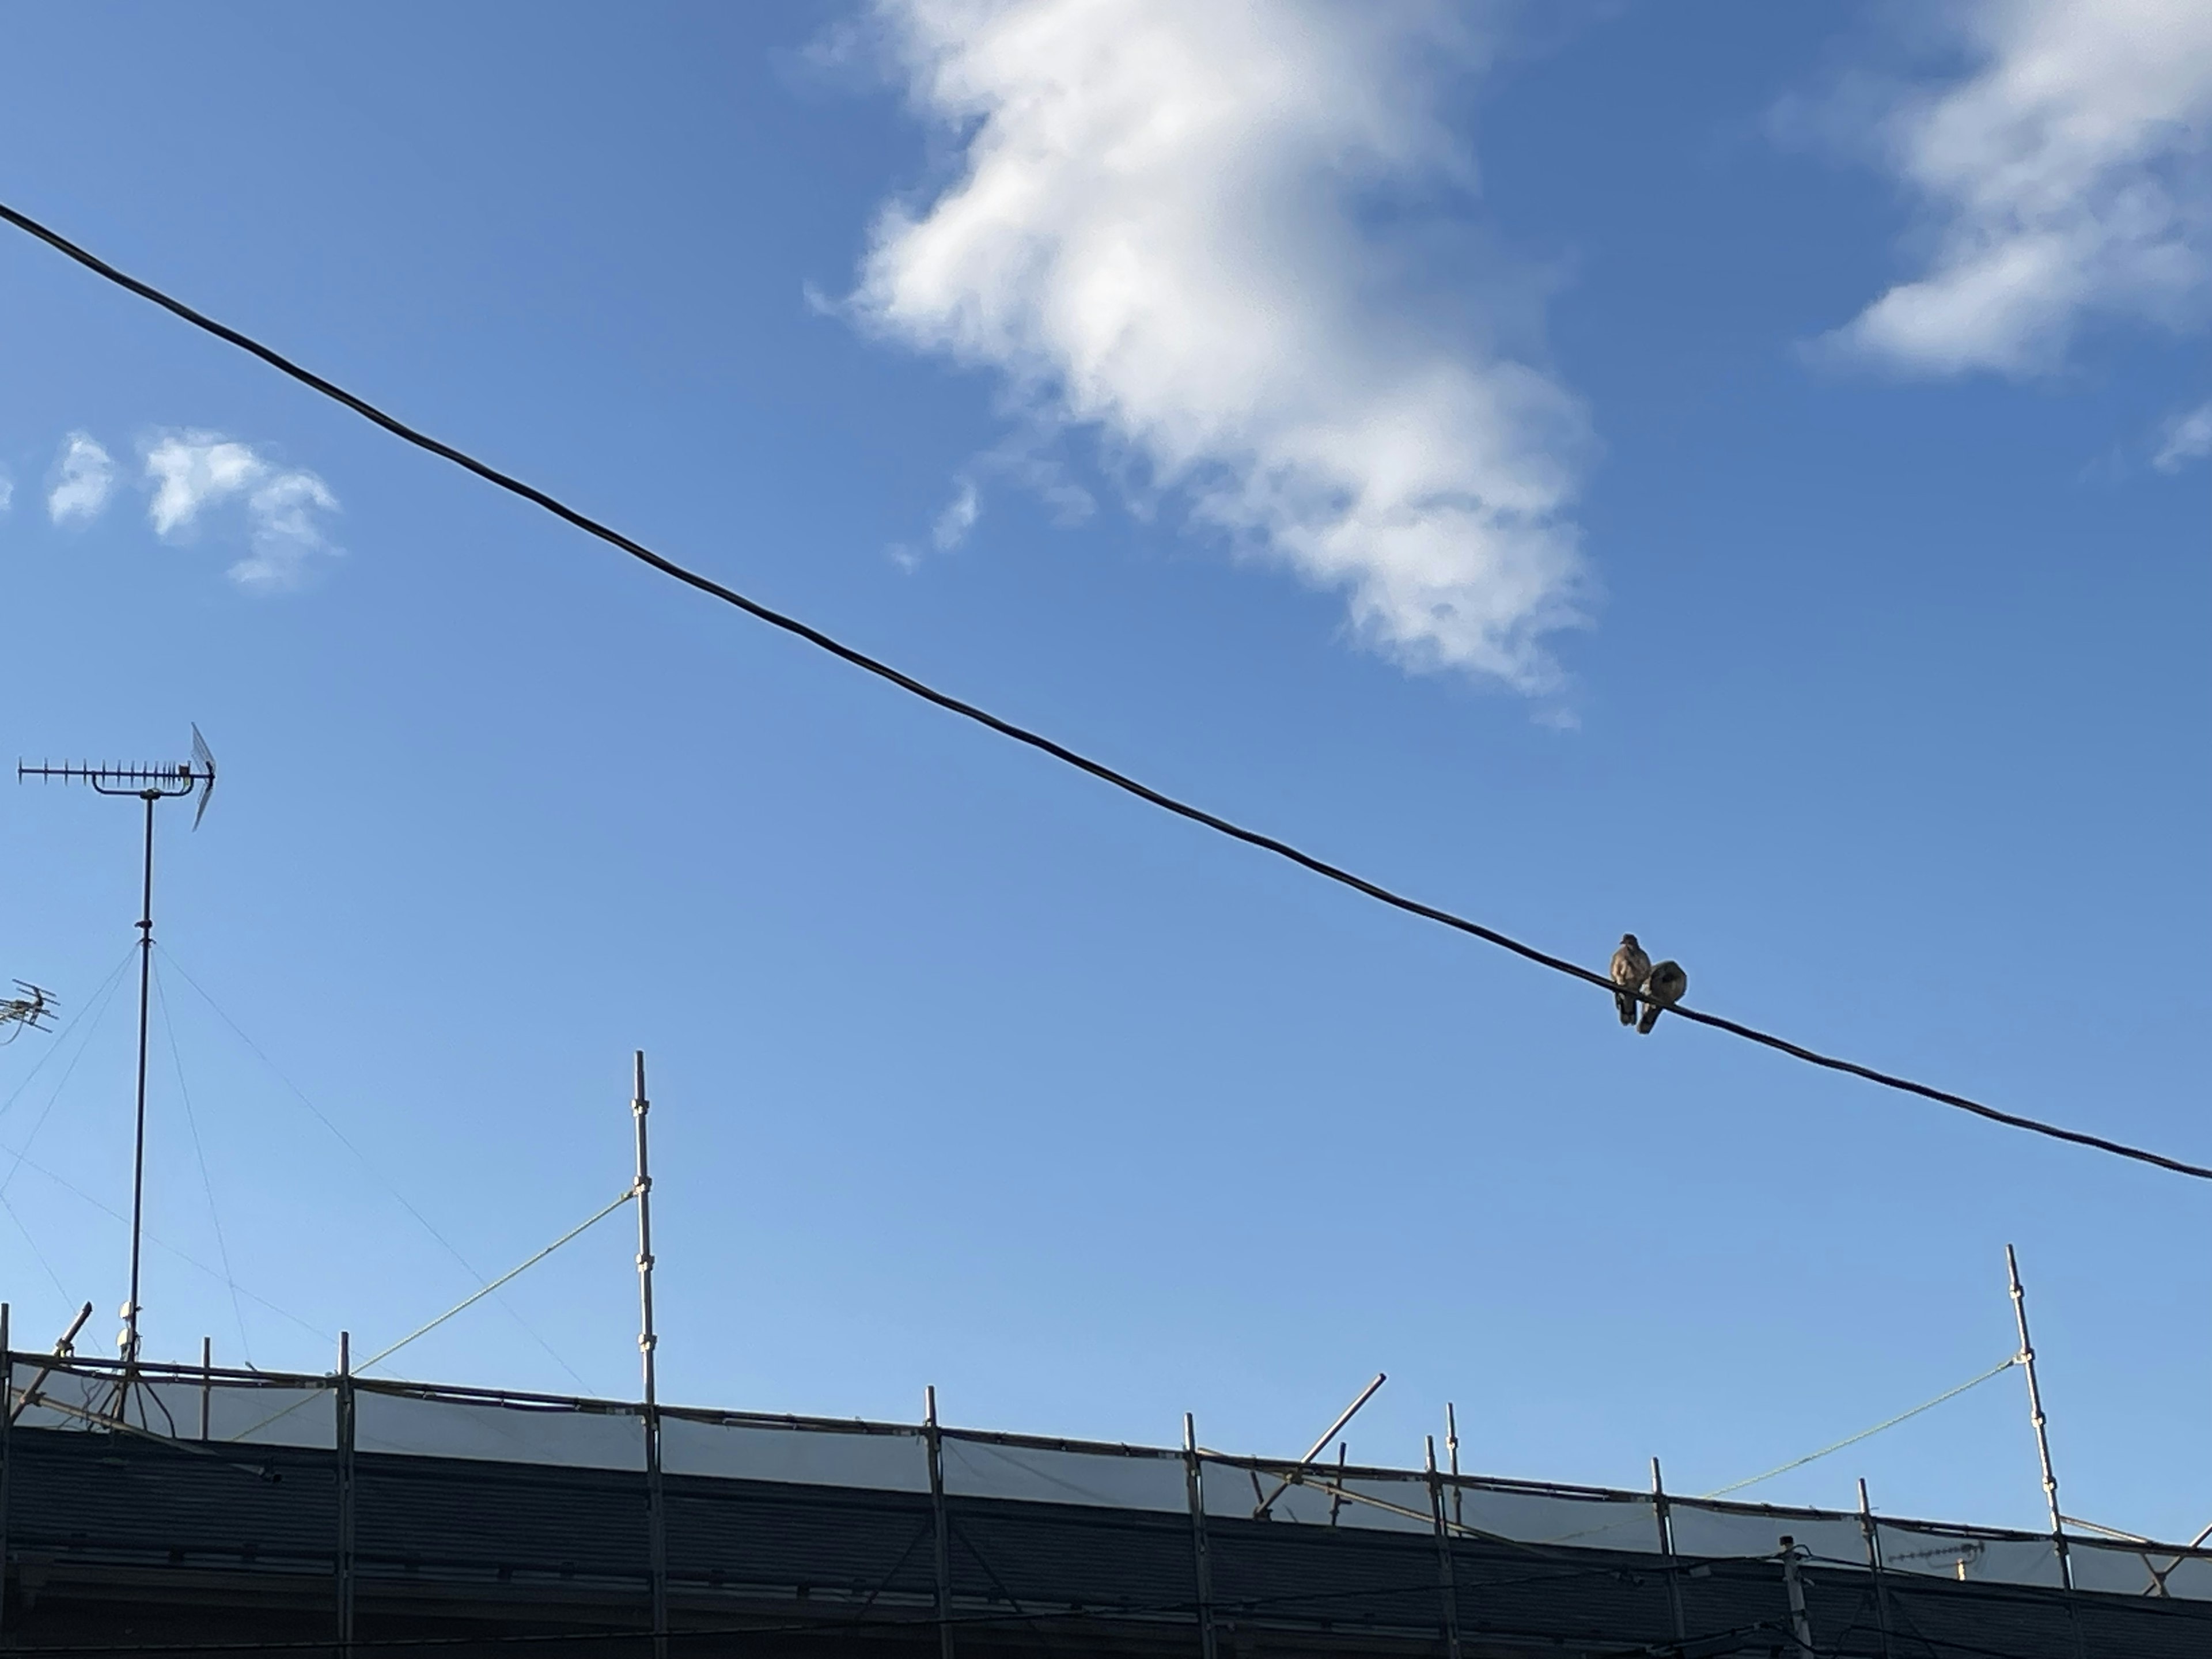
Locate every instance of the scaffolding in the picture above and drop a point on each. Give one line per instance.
(235, 1416)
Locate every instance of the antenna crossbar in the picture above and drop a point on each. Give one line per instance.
(179, 779)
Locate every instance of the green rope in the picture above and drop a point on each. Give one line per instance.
(470, 1301)
(466, 1301)
(1867, 1434)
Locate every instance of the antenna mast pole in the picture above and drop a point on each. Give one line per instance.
(138, 1153)
(151, 784)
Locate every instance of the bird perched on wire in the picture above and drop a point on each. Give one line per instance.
(1631, 967)
(1664, 989)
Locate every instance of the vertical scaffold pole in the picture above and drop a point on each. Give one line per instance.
(7, 1421)
(1451, 1449)
(207, 1383)
(345, 1437)
(656, 1519)
(1194, 1478)
(1874, 1567)
(940, 1533)
(1447, 1583)
(2036, 1417)
(2043, 1444)
(1663, 1514)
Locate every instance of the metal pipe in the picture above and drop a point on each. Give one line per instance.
(1793, 1584)
(1663, 1515)
(207, 1382)
(1259, 1511)
(1451, 1445)
(345, 1437)
(1202, 1563)
(1874, 1567)
(7, 1421)
(2043, 1446)
(1446, 1586)
(656, 1519)
(2036, 1417)
(63, 1350)
(138, 1156)
(939, 1535)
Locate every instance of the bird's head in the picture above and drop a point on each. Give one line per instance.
(1629, 940)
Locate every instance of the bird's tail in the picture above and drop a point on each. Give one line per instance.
(1651, 1013)
(1626, 1004)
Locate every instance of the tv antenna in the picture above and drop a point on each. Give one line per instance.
(28, 1010)
(152, 785)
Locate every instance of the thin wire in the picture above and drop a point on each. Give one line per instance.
(207, 1181)
(114, 1214)
(34, 1243)
(68, 1026)
(1867, 1434)
(1006, 728)
(344, 1140)
(91, 1030)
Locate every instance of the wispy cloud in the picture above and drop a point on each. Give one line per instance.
(1163, 229)
(7, 490)
(83, 478)
(2067, 174)
(2188, 439)
(958, 518)
(192, 473)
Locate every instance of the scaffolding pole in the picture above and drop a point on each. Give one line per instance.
(1447, 1583)
(2043, 1447)
(1874, 1567)
(345, 1438)
(7, 1423)
(1663, 1514)
(940, 1534)
(656, 1517)
(1193, 1477)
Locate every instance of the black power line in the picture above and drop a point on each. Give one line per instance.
(1006, 728)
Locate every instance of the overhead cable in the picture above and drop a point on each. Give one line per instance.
(1020, 734)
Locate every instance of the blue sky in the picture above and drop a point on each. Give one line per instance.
(1745, 485)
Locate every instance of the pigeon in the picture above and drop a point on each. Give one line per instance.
(1665, 988)
(1631, 967)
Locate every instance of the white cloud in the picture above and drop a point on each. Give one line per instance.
(193, 473)
(958, 518)
(1164, 229)
(2068, 174)
(2188, 438)
(83, 478)
(7, 490)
